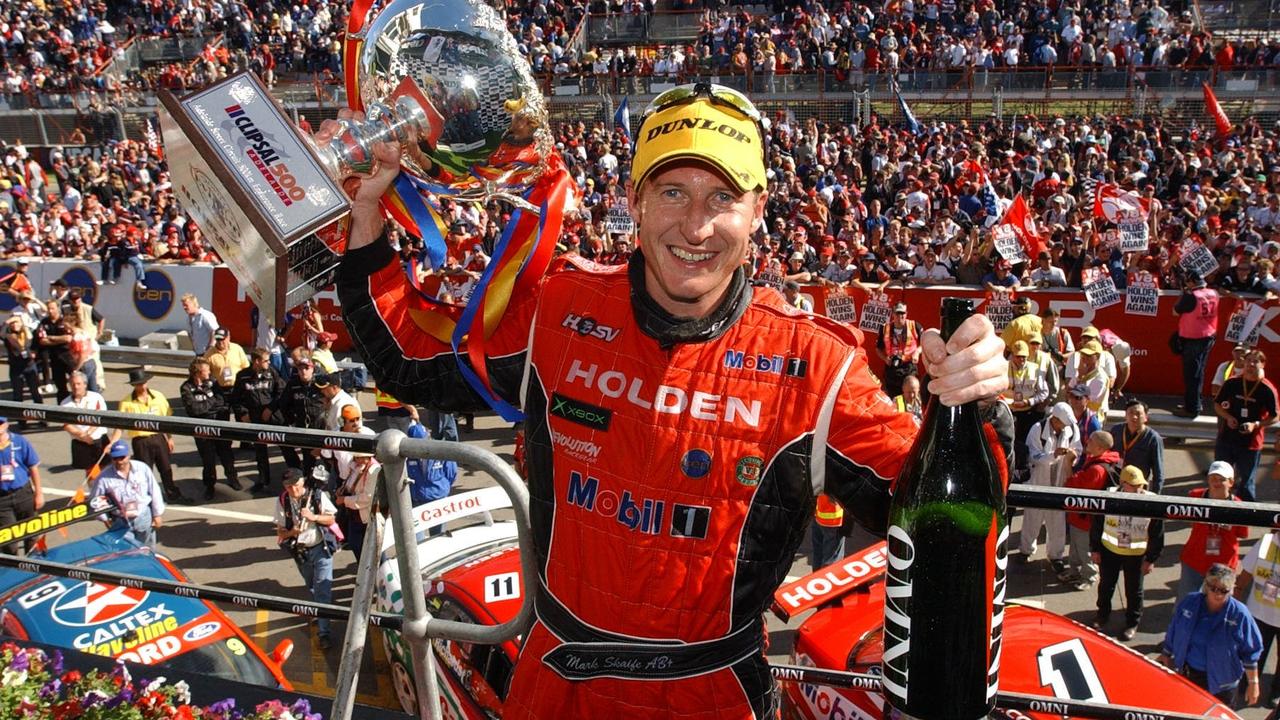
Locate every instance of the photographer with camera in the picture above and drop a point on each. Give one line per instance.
(304, 515)
(899, 347)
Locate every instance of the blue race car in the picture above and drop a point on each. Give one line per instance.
(179, 633)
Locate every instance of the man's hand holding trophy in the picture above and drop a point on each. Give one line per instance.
(444, 105)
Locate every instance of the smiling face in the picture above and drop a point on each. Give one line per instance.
(693, 227)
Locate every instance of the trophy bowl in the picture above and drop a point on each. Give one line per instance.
(485, 131)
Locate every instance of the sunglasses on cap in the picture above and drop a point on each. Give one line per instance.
(718, 95)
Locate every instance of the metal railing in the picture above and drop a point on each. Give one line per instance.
(391, 487)
(1061, 83)
(617, 29)
(417, 625)
(830, 96)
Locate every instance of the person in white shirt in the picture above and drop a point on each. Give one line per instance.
(1230, 368)
(1106, 361)
(87, 441)
(1052, 446)
(305, 522)
(931, 272)
(135, 492)
(1258, 586)
(355, 480)
(337, 398)
(1045, 274)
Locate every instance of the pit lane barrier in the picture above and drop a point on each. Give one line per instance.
(1172, 428)
(1005, 701)
(391, 489)
(417, 625)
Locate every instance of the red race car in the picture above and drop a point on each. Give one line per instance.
(472, 574)
(1043, 653)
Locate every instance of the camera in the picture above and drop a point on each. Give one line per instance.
(291, 546)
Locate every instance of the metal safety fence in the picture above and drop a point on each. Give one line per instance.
(941, 95)
(391, 490)
(418, 626)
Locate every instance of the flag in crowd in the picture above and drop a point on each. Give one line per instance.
(1114, 203)
(912, 124)
(153, 139)
(622, 119)
(986, 191)
(1020, 219)
(1221, 124)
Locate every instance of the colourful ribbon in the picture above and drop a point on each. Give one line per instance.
(520, 260)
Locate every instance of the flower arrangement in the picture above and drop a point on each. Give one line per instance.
(34, 685)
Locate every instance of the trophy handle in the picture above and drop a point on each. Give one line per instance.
(405, 121)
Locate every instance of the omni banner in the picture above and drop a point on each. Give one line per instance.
(244, 432)
(303, 608)
(1004, 700)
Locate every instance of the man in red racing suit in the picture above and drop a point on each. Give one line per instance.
(673, 467)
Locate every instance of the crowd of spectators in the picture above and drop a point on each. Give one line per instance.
(63, 47)
(117, 203)
(869, 206)
(849, 205)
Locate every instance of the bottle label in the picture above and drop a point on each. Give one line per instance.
(897, 613)
(997, 612)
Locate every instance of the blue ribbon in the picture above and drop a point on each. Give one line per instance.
(474, 305)
(433, 246)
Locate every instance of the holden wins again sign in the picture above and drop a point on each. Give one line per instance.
(255, 187)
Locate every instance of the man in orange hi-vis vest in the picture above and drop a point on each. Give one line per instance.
(899, 347)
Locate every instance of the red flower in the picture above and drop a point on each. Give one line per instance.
(71, 677)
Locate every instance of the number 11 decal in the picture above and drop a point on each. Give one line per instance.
(502, 587)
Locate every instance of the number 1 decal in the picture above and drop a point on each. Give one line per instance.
(502, 587)
(1066, 668)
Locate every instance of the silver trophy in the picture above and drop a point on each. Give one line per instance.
(444, 79)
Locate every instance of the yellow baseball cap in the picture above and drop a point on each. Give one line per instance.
(1020, 349)
(705, 122)
(1131, 475)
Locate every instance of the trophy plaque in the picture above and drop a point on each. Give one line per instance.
(254, 185)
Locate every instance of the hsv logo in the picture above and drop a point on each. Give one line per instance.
(587, 326)
(91, 604)
(773, 364)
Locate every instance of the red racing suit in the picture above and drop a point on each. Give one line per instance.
(673, 469)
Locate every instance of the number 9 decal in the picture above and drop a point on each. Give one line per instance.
(236, 646)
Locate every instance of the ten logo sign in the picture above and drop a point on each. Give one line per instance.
(156, 300)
